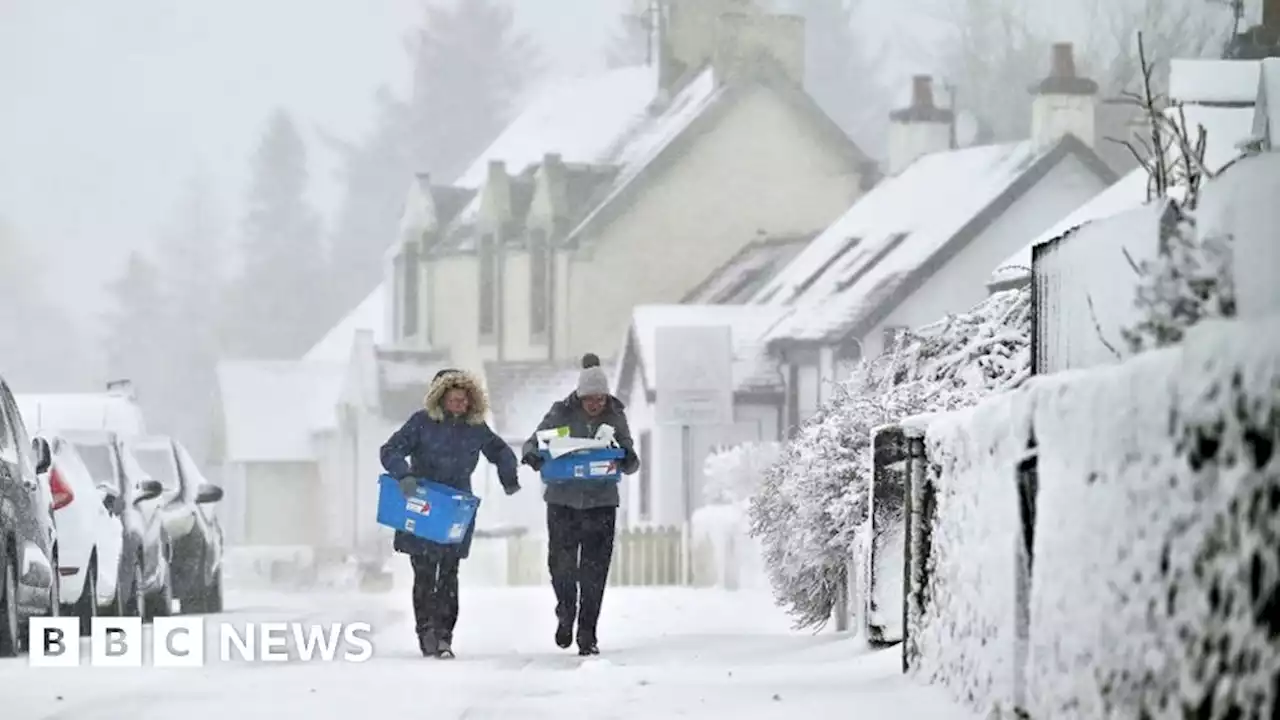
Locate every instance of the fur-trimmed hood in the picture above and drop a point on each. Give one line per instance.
(448, 380)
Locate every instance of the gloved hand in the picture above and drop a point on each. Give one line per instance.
(533, 460)
(630, 461)
(511, 489)
(408, 486)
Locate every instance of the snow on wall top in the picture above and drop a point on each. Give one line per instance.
(581, 118)
(747, 326)
(271, 407)
(1213, 81)
(370, 314)
(81, 411)
(897, 227)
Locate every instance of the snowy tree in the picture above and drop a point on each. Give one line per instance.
(631, 42)
(375, 175)
(276, 310)
(735, 473)
(470, 67)
(137, 329)
(41, 348)
(1191, 277)
(813, 504)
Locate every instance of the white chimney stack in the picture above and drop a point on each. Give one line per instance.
(918, 129)
(1064, 102)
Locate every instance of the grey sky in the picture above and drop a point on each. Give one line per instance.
(109, 106)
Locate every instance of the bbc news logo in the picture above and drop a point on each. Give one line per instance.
(180, 642)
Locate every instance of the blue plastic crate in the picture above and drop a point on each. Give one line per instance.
(438, 513)
(582, 466)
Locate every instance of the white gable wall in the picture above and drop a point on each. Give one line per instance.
(961, 283)
(452, 285)
(760, 169)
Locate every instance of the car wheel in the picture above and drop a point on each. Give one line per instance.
(86, 609)
(10, 640)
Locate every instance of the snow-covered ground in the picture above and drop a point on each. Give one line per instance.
(668, 652)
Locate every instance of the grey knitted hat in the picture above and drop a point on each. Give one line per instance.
(592, 380)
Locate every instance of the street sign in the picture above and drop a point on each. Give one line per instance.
(694, 375)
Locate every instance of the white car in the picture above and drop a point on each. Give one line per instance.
(90, 535)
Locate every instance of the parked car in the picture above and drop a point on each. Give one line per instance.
(134, 496)
(90, 530)
(28, 535)
(186, 506)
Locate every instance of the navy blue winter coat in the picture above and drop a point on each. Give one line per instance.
(446, 449)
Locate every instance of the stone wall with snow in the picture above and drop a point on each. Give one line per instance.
(1155, 572)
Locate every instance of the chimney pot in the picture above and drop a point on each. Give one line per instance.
(497, 167)
(1063, 64)
(922, 91)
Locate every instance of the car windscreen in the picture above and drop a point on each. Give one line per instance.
(98, 461)
(158, 463)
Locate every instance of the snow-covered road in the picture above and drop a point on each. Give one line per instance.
(666, 653)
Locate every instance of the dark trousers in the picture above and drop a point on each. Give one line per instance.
(580, 548)
(435, 594)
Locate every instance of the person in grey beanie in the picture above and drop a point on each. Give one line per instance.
(582, 518)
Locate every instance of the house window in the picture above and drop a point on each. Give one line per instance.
(646, 475)
(539, 287)
(412, 269)
(488, 287)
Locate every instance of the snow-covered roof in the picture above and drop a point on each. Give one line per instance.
(747, 326)
(81, 411)
(1213, 81)
(271, 407)
(520, 393)
(738, 280)
(581, 118)
(858, 263)
(370, 314)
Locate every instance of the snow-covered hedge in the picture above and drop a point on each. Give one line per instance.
(726, 555)
(811, 511)
(1156, 585)
(962, 623)
(1156, 575)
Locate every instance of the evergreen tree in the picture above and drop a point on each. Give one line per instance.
(280, 307)
(41, 348)
(137, 330)
(191, 261)
(469, 69)
(630, 45)
(375, 176)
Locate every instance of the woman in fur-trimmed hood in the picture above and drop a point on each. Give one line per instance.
(442, 443)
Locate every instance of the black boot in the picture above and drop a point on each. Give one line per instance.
(444, 647)
(564, 633)
(428, 643)
(587, 644)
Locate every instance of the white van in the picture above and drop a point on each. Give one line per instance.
(115, 410)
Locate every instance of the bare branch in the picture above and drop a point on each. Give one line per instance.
(1137, 269)
(1098, 328)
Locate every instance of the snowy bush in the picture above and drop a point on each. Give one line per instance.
(1157, 557)
(813, 503)
(734, 474)
(961, 622)
(1189, 281)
